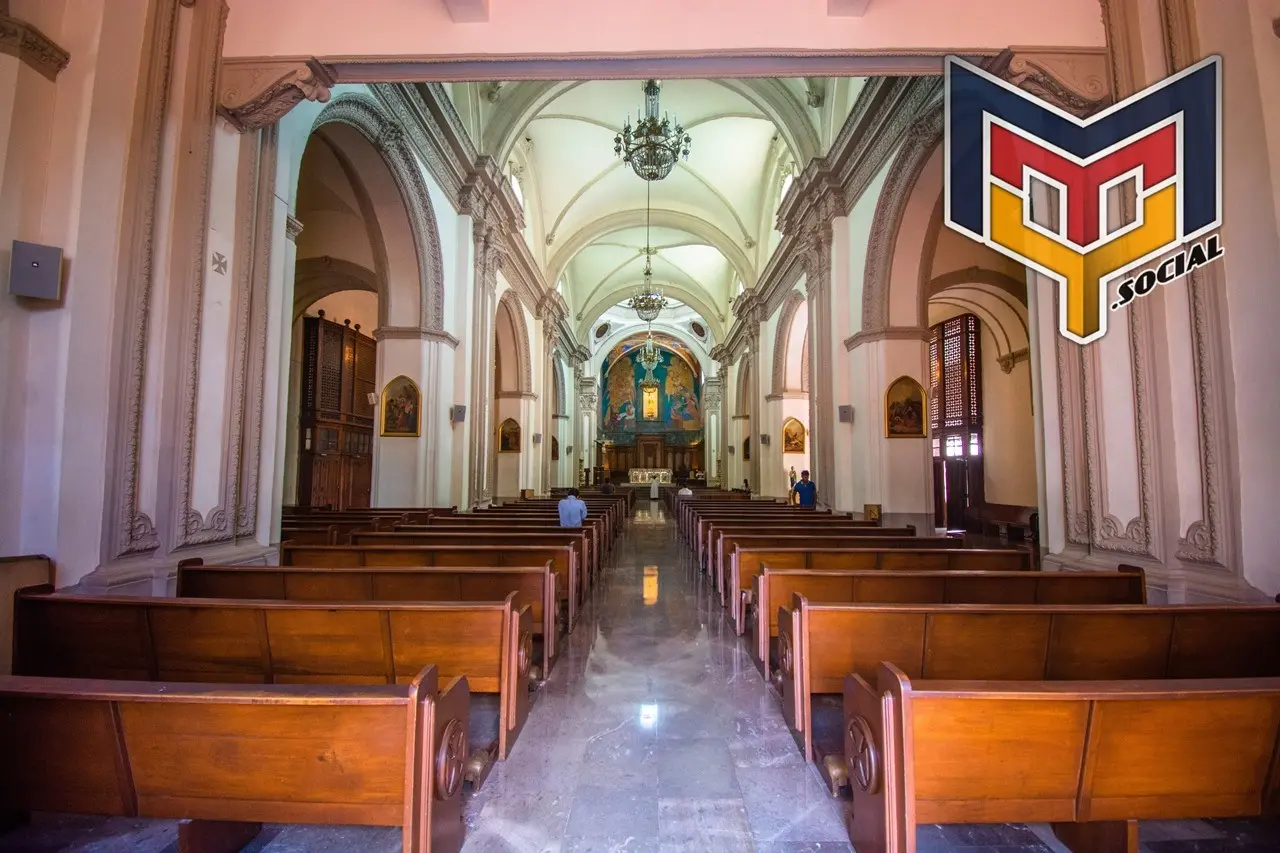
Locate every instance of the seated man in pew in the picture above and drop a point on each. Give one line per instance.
(572, 510)
(226, 758)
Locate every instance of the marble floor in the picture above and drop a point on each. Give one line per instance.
(654, 733)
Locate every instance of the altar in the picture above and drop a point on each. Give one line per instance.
(649, 475)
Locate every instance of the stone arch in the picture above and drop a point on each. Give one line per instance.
(558, 398)
(316, 278)
(381, 130)
(511, 345)
(742, 403)
(788, 342)
(996, 298)
(919, 144)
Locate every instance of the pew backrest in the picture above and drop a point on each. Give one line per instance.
(380, 756)
(924, 752)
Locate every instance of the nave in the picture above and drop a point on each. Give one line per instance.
(654, 732)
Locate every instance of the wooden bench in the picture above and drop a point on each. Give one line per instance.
(723, 537)
(707, 527)
(597, 543)
(867, 553)
(534, 588)
(602, 524)
(1006, 520)
(820, 643)
(225, 759)
(16, 573)
(1089, 757)
(497, 534)
(285, 642)
(561, 558)
(690, 514)
(827, 586)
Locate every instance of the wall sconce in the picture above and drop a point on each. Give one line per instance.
(372, 398)
(569, 449)
(764, 440)
(731, 450)
(537, 438)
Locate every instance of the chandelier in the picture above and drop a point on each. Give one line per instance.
(649, 359)
(648, 300)
(652, 147)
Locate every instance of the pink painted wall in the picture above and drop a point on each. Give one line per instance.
(423, 27)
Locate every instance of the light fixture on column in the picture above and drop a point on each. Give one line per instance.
(654, 145)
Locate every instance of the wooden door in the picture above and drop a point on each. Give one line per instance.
(956, 477)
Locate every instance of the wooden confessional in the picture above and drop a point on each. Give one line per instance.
(336, 422)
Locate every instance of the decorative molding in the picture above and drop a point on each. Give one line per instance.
(889, 333)
(1072, 78)
(922, 139)
(379, 128)
(516, 395)
(782, 340)
(521, 330)
(785, 395)
(414, 333)
(192, 527)
(317, 277)
(32, 47)
(256, 93)
(134, 531)
(1009, 359)
(292, 228)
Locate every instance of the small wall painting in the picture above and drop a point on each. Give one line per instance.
(793, 436)
(401, 409)
(904, 409)
(555, 449)
(509, 437)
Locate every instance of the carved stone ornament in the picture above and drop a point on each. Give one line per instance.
(256, 93)
(32, 47)
(1075, 80)
(1009, 359)
(292, 228)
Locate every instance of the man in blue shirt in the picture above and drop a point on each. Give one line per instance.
(572, 510)
(806, 491)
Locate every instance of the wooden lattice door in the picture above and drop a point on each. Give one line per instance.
(335, 464)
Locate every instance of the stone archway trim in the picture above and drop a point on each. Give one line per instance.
(510, 302)
(382, 131)
(782, 340)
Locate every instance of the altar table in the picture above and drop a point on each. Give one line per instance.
(650, 475)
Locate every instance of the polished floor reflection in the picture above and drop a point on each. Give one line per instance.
(654, 733)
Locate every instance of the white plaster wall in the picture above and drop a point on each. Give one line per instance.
(1008, 446)
(1251, 114)
(511, 465)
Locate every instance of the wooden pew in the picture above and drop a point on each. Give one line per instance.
(820, 643)
(602, 521)
(706, 527)
(225, 759)
(561, 557)
(534, 588)
(283, 642)
(597, 544)
(868, 553)
(614, 511)
(1090, 757)
(574, 539)
(16, 573)
(722, 537)
(827, 586)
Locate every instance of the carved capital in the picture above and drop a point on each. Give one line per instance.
(256, 93)
(1075, 80)
(30, 46)
(292, 228)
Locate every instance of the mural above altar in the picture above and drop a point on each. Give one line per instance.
(650, 475)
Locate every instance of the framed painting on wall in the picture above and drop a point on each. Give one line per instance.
(904, 409)
(509, 437)
(793, 436)
(401, 409)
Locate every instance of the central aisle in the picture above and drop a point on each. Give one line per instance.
(654, 732)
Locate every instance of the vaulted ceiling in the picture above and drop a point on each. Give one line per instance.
(709, 222)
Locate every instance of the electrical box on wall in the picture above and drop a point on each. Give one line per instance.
(537, 438)
(846, 414)
(457, 414)
(372, 398)
(35, 271)
(764, 439)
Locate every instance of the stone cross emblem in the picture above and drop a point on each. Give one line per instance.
(219, 263)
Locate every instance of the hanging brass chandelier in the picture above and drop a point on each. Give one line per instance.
(647, 301)
(654, 145)
(649, 359)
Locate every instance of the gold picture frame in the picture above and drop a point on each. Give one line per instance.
(400, 414)
(509, 436)
(794, 436)
(905, 409)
